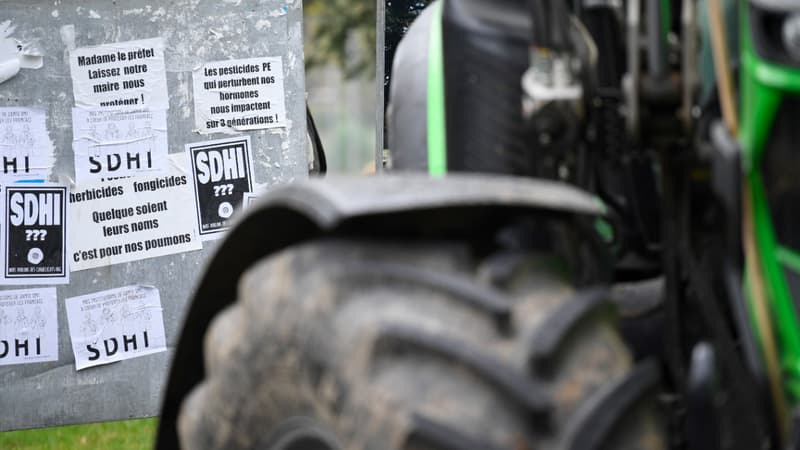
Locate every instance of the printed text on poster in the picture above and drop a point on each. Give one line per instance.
(240, 94)
(25, 147)
(118, 75)
(119, 143)
(28, 326)
(115, 325)
(132, 219)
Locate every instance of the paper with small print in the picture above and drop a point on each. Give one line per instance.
(115, 325)
(28, 326)
(239, 94)
(132, 219)
(25, 147)
(118, 75)
(119, 143)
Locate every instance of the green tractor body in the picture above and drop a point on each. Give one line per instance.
(770, 110)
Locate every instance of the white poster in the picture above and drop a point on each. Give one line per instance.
(117, 75)
(115, 325)
(25, 147)
(119, 143)
(239, 94)
(28, 326)
(132, 219)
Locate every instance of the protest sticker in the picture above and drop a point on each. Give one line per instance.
(25, 148)
(115, 325)
(131, 219)
(239, 94)
(28, 326)
(119, 143)
(222, 174)
(35, 235)
(117, 75)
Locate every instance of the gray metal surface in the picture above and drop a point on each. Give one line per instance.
(194, 32)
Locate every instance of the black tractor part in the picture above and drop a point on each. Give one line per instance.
(485, 53)
(466, 313)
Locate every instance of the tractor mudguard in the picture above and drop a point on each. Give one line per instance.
(392, 205)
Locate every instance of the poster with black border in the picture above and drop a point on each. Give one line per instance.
(34, 235)
(222, 172)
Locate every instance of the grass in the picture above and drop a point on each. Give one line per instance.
(127, 435)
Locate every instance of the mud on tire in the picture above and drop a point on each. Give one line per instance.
(377, 344)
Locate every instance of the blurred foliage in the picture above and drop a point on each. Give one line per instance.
(342, 32)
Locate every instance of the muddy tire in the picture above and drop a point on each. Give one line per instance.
(348, 344)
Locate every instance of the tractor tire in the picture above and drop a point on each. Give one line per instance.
(391, 344)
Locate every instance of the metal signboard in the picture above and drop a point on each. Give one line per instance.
(130, 133)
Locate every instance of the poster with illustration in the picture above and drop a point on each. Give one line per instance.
(28, 326)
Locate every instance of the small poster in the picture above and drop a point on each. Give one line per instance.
(119, 143)
(132, 219)
(25, 147)
(239, 94)
(115, 325)
(120, 75)
(222, 174)
(28, 326)
(35, 235)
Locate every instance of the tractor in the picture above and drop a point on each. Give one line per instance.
(586, 240)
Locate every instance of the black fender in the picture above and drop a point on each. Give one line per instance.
(391, 205)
